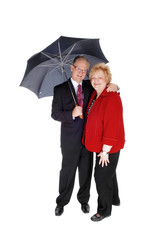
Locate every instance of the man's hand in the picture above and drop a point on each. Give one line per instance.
(112, 87)
(77, 111)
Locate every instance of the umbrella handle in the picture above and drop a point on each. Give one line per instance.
(81, 116)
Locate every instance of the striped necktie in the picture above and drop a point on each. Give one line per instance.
(80, 96)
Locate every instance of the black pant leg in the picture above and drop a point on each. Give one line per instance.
(70, 160)
(85, 174)
(104, 184)
(116, 199)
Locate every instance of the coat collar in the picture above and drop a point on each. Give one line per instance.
(103, 94)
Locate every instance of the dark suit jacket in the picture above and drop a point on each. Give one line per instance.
(62, 107)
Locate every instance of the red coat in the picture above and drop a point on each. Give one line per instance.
(104, 124)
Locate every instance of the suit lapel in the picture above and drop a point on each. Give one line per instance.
(86, 93)
(72, 91)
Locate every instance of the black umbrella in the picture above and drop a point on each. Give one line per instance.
(51, 66)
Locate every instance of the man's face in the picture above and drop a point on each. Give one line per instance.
(79, 70)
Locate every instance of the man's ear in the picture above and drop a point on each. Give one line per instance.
(72, 68)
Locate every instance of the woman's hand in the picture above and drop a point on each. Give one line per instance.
(104, 159)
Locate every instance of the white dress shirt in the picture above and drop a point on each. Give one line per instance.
(75, 85)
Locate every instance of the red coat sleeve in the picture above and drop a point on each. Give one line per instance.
(112, 120)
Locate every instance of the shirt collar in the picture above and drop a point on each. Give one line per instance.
(75, 84)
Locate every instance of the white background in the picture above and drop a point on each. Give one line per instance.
(30, 140)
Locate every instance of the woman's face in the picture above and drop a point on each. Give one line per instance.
(99, 81)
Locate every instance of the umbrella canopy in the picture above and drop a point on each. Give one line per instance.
(51, 66)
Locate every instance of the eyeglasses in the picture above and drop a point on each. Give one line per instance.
(79, 70)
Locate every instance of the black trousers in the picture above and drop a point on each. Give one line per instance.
(106, 184)
(73, 159)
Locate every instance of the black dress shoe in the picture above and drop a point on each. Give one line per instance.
(59, 211)
(96, 217)
(85, 208)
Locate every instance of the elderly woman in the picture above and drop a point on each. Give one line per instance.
(104, 134)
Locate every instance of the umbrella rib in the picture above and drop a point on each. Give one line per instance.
(60, 51)
(48, 65)
(69, 52)
(50, 57)
(62, 66)
(69, 61)
(54, 69)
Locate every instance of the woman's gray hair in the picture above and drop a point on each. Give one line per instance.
(101, 66)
